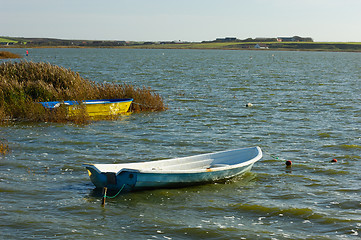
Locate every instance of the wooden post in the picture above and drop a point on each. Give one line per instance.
(104, 196)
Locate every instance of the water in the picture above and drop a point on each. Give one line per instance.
(306, 108)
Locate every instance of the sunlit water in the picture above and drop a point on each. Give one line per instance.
(306, 108)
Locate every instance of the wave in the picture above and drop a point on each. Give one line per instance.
(344, 146)
(302, 213)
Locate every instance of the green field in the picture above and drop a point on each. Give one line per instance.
(7, 40)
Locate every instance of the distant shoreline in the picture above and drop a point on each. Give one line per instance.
(229, 45)
(324, 49)
(320, 47)
(285, 46)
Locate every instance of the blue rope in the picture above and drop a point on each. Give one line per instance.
(105, 195)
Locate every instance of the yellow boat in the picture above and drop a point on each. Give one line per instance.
(94, 108)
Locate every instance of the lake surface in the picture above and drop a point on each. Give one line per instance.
(306, 108)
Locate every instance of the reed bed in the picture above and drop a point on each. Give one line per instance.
(4, 147)
(6, 55)
(24, 84)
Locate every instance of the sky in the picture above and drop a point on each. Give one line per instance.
(184, 20)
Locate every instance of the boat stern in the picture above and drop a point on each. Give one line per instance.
(97, 178)
(124, 179)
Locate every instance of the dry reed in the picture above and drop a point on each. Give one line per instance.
(4, 147)
(23, 84)
(5, 55)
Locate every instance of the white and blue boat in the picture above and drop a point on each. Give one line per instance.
(177, 172)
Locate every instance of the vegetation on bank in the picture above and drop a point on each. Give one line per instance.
(317, 46)
(6, 55)
(24, 84)
(4, 147)
(277, 46)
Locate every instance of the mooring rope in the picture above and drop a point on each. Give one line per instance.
(105, 194)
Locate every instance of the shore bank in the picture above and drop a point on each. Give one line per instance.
(229, 45)
(276, 46)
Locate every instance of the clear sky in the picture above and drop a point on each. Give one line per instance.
(186, 20)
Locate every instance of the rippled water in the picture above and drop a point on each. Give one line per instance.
(306, 108)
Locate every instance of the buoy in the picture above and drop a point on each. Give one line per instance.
(249, 105)
(27, 53)
(288, 163)
(334, 160)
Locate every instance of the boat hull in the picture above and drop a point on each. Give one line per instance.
(210, 168)
(149, 180)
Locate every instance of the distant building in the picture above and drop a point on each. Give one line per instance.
(226, 39)
(261, 46)
(286, 39)
(294, 39)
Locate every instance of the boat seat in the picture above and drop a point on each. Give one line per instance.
(190, 165)
(218, 165)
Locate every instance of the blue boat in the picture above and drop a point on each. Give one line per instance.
(177, 172)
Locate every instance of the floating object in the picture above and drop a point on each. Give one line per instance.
(94, 108)
(288, 163)
(334, 160)
(249, 105)
(177, 172)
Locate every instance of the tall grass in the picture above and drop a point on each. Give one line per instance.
(5, 55)
(24, 84)
(4, 147)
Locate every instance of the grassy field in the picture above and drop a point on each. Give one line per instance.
(318, 46)
(6, 40)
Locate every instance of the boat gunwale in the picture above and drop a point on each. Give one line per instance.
(54, 104)
(179, 171)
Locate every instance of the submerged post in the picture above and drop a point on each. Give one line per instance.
(104, 196)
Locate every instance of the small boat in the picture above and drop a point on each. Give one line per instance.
(177, 172)
(102, 107)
